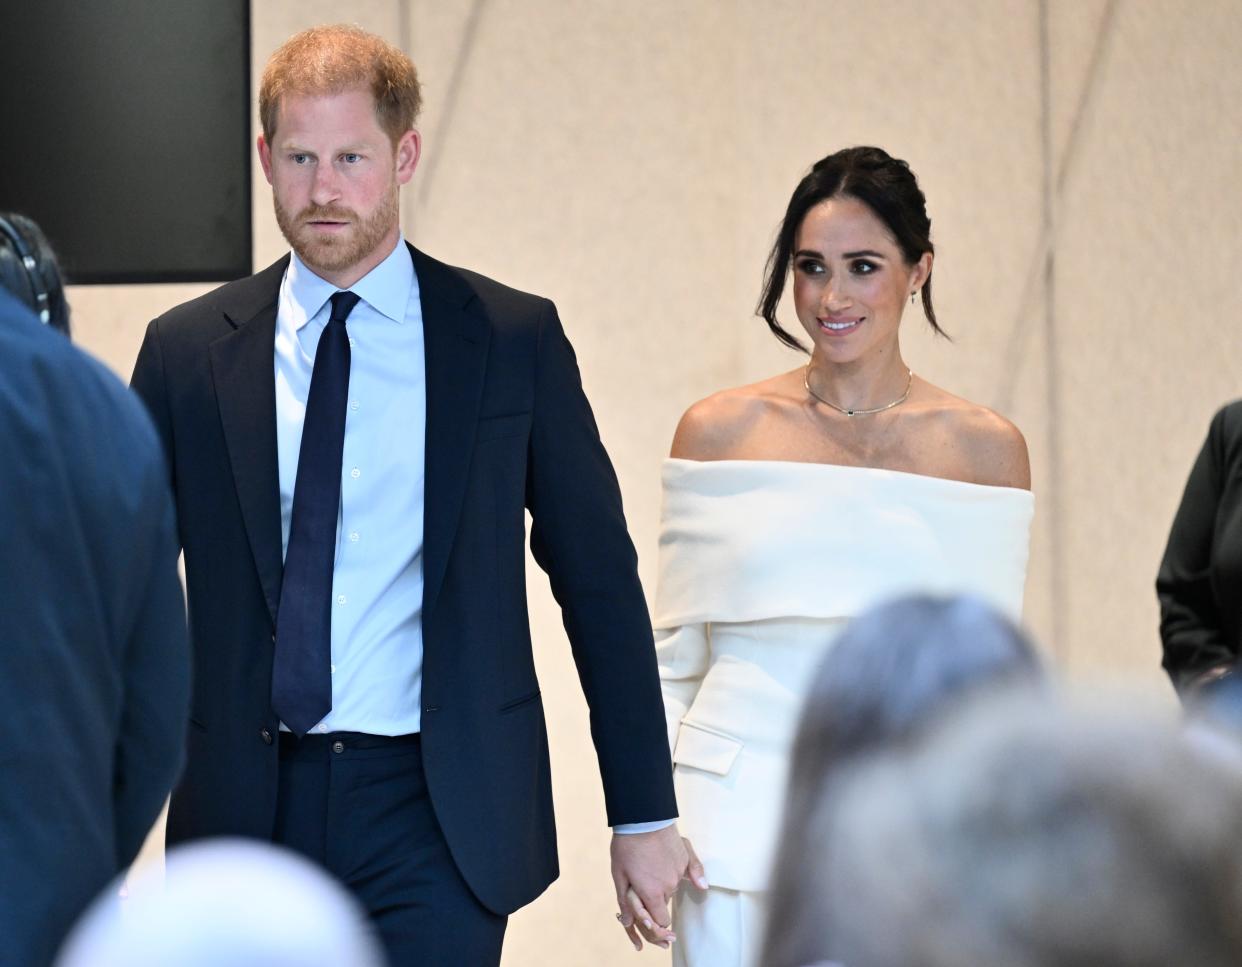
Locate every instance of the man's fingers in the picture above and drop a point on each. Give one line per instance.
(638, 910)
(626, 914)
(632, 932)
(652, 928)
(656, 906)
(694, 870)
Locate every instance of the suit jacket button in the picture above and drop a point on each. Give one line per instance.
(266, 736)
(338, 747)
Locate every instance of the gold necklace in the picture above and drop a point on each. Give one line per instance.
(806, 381)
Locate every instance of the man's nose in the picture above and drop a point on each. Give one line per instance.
(326, 188)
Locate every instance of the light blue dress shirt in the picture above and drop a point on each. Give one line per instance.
(377, 578)
(377, 581)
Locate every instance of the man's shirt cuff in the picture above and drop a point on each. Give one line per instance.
(629, 829)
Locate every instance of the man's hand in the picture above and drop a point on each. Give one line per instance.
(646, 870)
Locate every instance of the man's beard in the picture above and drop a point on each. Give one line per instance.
(334, 253)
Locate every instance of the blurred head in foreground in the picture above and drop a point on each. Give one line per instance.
(899, 665)
(1214, 716)
(894, 670)
(1030, 834)
(234, 902)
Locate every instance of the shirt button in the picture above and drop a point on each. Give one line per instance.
(353, 536)
(351, 342)
(338, 747)
(340, 599)
(321, 728)
(355, 473)
(333, 667)
(353, 404)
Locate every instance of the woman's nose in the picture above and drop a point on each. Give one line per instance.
(834, 298)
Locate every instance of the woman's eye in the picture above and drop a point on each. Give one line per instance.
(809, 267)
(863, 266)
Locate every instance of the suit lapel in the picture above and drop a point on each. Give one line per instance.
(243, 371)
(456, 337)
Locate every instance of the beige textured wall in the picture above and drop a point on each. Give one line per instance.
(631, 160)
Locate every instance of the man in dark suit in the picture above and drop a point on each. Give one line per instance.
(94, 661)
(386, 420)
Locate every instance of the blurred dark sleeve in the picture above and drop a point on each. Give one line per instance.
(151, 740)
(150, 747)
(1200, 579)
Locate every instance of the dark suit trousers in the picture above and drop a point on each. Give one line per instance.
(358, 805)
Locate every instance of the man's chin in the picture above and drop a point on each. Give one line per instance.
(325, 255)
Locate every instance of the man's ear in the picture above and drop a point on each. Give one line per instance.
(265, 157)
(409, 150)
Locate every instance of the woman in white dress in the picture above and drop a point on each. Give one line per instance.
(792, 504)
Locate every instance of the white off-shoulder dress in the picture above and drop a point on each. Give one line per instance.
(761, 564)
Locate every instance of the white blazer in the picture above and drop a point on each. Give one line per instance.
(761, 564)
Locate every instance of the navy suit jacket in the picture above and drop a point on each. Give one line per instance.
(94, 662)
(508, 431)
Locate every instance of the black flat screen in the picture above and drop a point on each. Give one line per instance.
(125, 133)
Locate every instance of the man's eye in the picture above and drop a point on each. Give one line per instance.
(351, 158)
(299, 159)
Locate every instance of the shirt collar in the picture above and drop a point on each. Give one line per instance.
(386, 288)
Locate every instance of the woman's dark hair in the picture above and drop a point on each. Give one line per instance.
(893, 672)
(29, 271)
(884, 184)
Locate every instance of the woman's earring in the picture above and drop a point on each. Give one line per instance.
(911, 298)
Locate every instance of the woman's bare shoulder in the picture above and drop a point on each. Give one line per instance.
(992, 448)
(712, 428)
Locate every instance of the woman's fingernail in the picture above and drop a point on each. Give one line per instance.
(647, 924)
(702, 882)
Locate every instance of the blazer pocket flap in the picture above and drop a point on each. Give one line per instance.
(517, 703)
(701, 748)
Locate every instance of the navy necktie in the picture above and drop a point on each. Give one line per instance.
(302, 667)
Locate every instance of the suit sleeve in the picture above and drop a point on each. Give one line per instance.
(155, 706)
(1190, 624)
(148, 382)
(579, 537)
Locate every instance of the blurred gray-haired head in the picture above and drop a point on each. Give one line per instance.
(1035, 835)
(899, 665)
(892, 673)
(227, 901)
